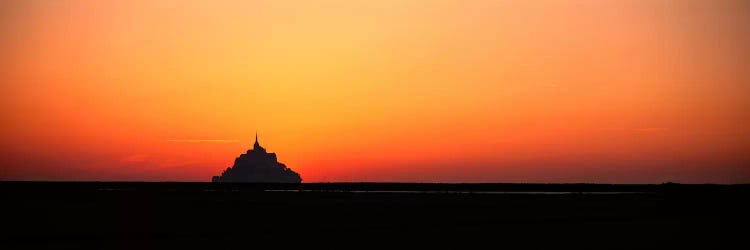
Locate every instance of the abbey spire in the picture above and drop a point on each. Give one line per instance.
(256, 146)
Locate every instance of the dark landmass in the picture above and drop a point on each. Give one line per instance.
(257, 165)
(141, 215)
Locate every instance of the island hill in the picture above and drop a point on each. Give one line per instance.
(257, 165)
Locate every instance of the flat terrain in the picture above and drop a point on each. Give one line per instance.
(102, 215)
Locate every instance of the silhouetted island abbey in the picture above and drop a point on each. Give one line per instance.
(258, 166)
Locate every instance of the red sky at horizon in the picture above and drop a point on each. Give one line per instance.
(622, 91)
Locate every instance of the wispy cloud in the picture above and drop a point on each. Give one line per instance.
(204, 140)
(651, 130)
(135, 158)
(642, 130)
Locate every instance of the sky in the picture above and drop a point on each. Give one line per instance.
(621, 91)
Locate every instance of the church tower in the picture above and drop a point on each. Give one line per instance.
(256, 146)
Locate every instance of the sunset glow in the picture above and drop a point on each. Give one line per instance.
(623, 91)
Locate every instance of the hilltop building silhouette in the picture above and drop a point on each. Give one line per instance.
(257, 165)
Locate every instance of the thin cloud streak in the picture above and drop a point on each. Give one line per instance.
(645, 130)
(649, 130)
(202, 140)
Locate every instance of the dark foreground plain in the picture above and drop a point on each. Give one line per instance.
(111, 215)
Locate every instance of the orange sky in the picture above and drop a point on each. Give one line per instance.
(622, 91)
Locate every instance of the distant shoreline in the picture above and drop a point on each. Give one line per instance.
(376, 187)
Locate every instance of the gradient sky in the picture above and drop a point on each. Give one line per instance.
(622, 91)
